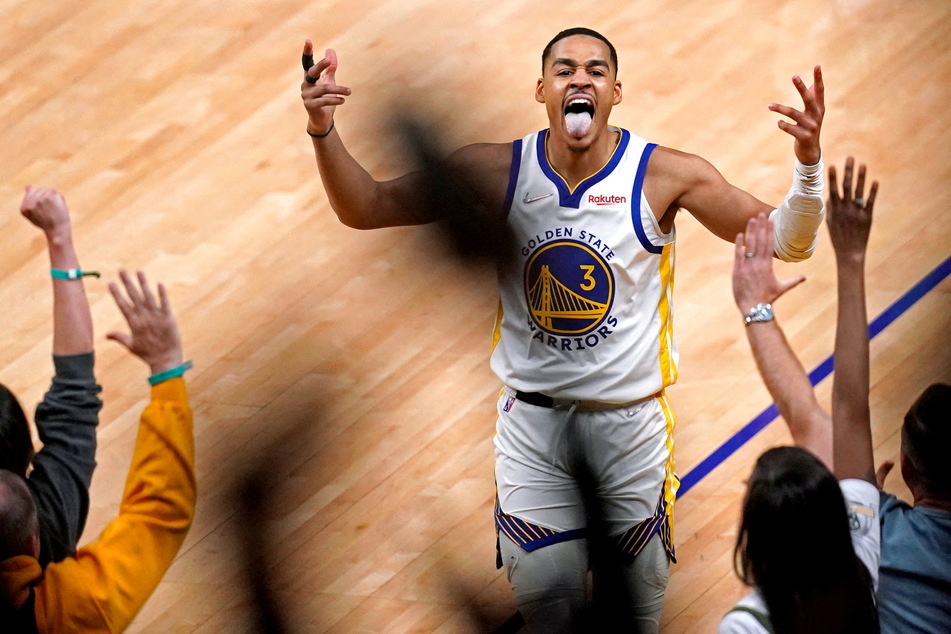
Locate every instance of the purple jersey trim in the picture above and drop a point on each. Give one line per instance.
(636, 202)
(513, 177)
(573, 199)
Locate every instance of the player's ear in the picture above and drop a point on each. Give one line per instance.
(617, 92)
(35, 545)
(540, 92)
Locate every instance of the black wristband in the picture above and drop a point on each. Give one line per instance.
(320, 136)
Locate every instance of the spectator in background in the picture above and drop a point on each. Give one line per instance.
(914, 591)
(809, 537)
(104, 586)
(66, 420)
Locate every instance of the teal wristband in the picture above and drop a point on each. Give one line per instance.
(72, 274)
(171, 373)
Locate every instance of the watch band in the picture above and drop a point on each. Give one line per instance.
(759, 313)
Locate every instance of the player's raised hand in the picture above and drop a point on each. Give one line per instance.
(319, 90)
(754, 281)
(808, 121)
(850, 215)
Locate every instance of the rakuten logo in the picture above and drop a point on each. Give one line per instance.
(606, 200)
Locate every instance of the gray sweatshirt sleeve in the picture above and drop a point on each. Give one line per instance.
(66, 422)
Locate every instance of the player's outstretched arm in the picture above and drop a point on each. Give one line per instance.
(683, 180)
(755, 285)
(72, 321)
(850, 220)
(358, 199)
(796, 221)
(680, 180)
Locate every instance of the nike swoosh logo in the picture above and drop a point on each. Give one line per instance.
(527, 200)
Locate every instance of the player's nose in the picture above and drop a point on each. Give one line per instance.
(580, 79)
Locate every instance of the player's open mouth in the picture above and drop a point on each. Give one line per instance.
(579, 113)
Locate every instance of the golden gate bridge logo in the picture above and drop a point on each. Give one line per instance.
(569, 288)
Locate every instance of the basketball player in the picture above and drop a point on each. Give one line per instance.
(583, 340)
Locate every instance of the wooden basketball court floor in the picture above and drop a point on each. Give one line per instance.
(352, 368)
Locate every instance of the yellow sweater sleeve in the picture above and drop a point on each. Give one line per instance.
(109, 580)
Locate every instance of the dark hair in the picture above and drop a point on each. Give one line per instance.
(16, 446)
(794, 546)
(579, 30)
(926, 438)
(18, 521)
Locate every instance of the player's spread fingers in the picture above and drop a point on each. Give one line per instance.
(803, 90)
(331, 56)
(787, 111)
(307, 61)
(819, 88)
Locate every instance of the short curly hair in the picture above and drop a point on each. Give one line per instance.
(579, 30)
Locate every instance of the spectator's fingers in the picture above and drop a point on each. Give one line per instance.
(122, 338)
(739, 249)
(764, 245)
(860, 183)
(833, 187)
(147, 295)
(751, 237)
(164, 304)
(882, 472)
(847, 180)
(134, 297)
(29, 199)
(870, 202)
(124, 307)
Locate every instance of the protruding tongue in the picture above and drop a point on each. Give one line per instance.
(578, 123)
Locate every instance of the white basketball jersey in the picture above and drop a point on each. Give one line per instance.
(585, 306)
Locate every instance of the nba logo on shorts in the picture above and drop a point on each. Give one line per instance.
(509, 402)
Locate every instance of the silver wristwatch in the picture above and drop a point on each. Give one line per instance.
(760, 312)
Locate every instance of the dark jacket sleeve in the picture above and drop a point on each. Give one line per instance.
(111, 578)
(66, 422)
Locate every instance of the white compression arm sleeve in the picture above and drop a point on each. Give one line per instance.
(796, 221)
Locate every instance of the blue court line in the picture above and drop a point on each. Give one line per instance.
(824, 369)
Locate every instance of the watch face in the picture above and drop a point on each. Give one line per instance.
(760, 312)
